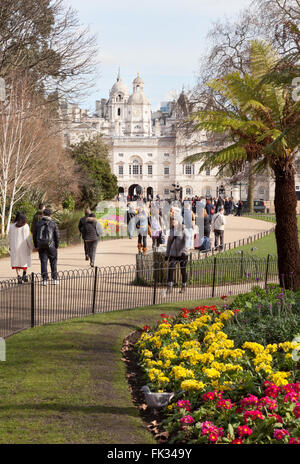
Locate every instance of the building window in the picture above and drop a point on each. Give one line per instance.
(121, 155)
(119, 111)
(166, 170)
(166, 155)
(166, 192)
(150, 155)
(188, 169)
(188, 191)
(208, 192)
(135, 169)
(297, 187)
(150, 170)
(121, 170)
(207, 172)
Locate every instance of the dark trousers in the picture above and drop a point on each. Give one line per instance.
(142, 239)
(219, 237)
(85, 248)
(91, 247)
(51, 254)
(172, 266)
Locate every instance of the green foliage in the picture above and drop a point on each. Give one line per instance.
(98, 182)
(266, 316)
(69, 203)
(68, 224)
(27, 207)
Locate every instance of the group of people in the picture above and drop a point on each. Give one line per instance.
(44, 239)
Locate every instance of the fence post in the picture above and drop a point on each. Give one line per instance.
(32, 315)
(267, 271)
(94, 291)
(155, 286)
(242, 263)
(214, 278)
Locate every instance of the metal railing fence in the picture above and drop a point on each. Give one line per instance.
(97, 290)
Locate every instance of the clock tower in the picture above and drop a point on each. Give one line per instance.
(138, 120)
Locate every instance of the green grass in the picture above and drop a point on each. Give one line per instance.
(65, 383)
(262, 247)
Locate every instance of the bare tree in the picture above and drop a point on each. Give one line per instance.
(45, 41)
(25, 134)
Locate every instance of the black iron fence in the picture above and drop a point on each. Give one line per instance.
(96, 290)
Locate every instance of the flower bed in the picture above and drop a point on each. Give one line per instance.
(225, 392)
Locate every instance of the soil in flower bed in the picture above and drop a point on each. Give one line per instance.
(152, 418)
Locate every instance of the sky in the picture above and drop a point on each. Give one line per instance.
(163, 40)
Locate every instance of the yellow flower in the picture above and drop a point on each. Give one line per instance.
(211, 373)
(180, 372)
(192, 385)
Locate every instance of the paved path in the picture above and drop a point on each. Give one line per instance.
(122, 252)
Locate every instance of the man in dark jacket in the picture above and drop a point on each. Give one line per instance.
(37, 217)
(92, 231)
(46, 240)
(81, 230)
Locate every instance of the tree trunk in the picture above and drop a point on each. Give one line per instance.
(250, 198)
(286, 230)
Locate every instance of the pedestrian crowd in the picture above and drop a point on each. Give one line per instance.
(182, 226)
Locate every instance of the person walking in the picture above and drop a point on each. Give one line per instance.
(46, 240)
(219, 204)
(131, 213)
(142, 223)
(218, 224)
(156, 227)
(81, 224)
(239, 208)
(37, 217)
(189, 222)
(177, 251)
(92, 231)
(20, 246)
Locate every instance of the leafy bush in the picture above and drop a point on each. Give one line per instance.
(68, 223)
(266, 316)
(69, 203)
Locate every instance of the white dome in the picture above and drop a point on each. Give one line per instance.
(119, 87)
(138, 98)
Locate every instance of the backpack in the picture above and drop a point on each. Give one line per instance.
(45, 235)
(217, 222)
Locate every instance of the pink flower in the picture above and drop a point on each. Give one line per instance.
(187, 420)
(294, 441)
(225, 404)
(250, 400)
(213, 437)
(296, 410)
(279, 434)
(253, 415)
(268, 402)
(184, 404)
(244, 430)
(237, 441)
(277, 417)
(208, 427)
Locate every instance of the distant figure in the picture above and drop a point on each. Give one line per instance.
(239, 208)
(218, 224)
(177, 251)
(142, 228)
(131, 213)
(21, 246)
(81, 224)
(46, 240)
(92, 231)
(37, 217)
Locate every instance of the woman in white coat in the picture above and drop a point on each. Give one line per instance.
(21, 246)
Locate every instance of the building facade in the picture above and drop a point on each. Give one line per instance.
(148, 148)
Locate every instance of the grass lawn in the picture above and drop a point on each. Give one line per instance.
(263, 247)
(65, 383)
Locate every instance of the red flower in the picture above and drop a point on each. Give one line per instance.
(146, 327)
(237, 441)
(224, 297)
(244, 430)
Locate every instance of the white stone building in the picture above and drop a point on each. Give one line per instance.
(147, 148)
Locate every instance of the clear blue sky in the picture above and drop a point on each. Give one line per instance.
(161, 39)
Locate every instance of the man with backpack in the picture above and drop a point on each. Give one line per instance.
(46, 240)
(218, 223)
